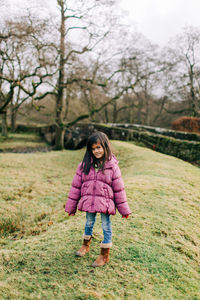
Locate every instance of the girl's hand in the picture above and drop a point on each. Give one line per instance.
(71, 215)
(125, 216)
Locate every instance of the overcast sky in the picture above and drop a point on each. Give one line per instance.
(160, 20)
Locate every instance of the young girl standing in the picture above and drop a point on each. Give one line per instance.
(99, 187)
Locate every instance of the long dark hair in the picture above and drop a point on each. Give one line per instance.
(89, 159)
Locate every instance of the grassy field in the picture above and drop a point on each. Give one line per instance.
(19, 142)
(155, 252)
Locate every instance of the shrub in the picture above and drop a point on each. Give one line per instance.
(187, 124)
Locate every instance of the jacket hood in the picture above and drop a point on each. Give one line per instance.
(110, 163)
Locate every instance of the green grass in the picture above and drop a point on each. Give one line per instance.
(155, 253)
(20, 141)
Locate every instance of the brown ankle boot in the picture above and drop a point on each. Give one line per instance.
(85, 247)
(102, 259)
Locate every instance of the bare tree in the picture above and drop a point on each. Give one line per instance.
(79, 17)
(182, 80)
(140, 68)
(21, 65)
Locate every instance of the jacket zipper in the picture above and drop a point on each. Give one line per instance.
(94, 186)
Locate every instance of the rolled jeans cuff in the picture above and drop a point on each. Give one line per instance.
(87, 237)
(106, 245)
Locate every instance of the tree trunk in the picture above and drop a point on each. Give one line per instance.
(130, 116)
(148, 112)
(4, 129)
(140, 106)
(59, 140)
(13, 119)
(106, 115)
(115, 112)
(192, 92)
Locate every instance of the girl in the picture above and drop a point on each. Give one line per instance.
(99, 187)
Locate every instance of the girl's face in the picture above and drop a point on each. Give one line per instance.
(98, 150)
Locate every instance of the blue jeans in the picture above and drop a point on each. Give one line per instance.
(106, 226)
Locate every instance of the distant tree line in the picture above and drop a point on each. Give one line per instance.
(84, 65)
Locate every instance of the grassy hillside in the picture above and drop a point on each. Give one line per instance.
(155, 252)
(21, 142)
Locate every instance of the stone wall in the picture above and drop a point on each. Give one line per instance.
(180, 144)
(163, 131)
(76, 137)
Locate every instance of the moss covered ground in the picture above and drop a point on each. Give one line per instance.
(155, 253)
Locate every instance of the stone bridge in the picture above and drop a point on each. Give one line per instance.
(180, 144)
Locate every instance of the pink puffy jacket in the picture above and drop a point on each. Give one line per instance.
(98, 192)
